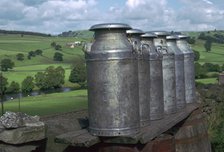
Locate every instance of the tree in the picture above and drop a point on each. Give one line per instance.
(50, 78)
(13, 87)
(58, 47)
(196, 55)
(208, 45)
(58, 76)
(202, 36)
(191, 40)
(53, 44)
(7, 64)
(20, 56)
(27, 84)
(58, 56)
(38, 52)
(40, 80)
(200, 71)
(209, 67)
(31, 54)
(78, 72)
(3, 84)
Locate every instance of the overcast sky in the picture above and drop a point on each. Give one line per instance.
(56, 16)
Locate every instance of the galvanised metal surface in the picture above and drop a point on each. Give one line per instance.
(179, 71)
(112, 76)
(156, 77)
(143, 76)
(169, 85)
(189, 71)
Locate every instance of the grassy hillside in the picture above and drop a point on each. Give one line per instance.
(12, 44)
(215, 56)
(49, 103)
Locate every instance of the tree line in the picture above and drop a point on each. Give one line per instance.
(50, 78)
(22, 33)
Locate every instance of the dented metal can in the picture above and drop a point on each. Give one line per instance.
(189, 70)
(155, 76)
(143, 76)
(169, 84)
(179, 71)
(112, 78)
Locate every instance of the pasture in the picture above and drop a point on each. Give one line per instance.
(216, 55)
(12, 44)
(48, 104)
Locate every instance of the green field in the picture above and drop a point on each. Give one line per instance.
(208, 80)
(216, 55)
(49, 103)
(11, 45)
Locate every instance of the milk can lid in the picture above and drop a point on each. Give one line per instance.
(172, 37)
(110, 26)
(149, 35)
(134, 31)
(161, 33)
(182, 36)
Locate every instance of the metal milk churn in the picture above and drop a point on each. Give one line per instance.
(189, 73)
(143, 76)
(179, 71)
(169, 85)
(112, 78)
(155, 78)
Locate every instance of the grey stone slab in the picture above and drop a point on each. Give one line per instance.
(23, 134)
(11, 148)
(80, 138)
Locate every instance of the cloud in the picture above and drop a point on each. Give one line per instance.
(208, 2)
(201, 12)
(55, 16)
(51, 16)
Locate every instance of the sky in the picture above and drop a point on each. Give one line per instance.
(56, 16)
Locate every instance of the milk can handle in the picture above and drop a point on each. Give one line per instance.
(135, 47)
(159, 48)
(87, 47)
(144, 45)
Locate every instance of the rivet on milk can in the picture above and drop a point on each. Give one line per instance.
(112, 78)
(179, 71)
(189, 73)
(155, 78)
(143, 76)
(169, 85)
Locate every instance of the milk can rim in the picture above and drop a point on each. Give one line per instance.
(134, 31)
(172, 37)
(110, 26)
(182, 36)
(161, 33)
(149, 35)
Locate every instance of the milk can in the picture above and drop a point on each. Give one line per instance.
(179, 71)
(189, 73)
(112, 78)
(143, 76)
(155, 78)
(169, 85)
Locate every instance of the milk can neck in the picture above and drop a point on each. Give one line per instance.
(171, 42)
(182, 41)
(110, 34)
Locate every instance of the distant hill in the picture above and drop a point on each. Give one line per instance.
(84, 34)
(24, 33)
(217, 36)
